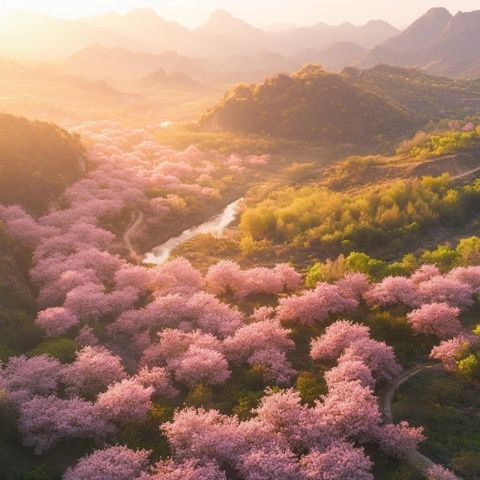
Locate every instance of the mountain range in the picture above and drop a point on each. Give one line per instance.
(40, 37)
(225, 48)
(438, 42)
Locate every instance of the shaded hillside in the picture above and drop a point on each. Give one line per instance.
(437, 42)
(17, 303)
(37, 161)
(357, 106)
(309, 105)
(429, 96)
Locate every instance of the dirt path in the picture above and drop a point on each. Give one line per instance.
(138, 220)
(466, 174)
(415, 458)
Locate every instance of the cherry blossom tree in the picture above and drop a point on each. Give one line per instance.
(92, 371)
(23, 378)
(45, 421)
(378, 356)
(275, 364)
(204, 435)
(125, 402)
(350, 371)
(342, 461)
(437, 472)
(315, 305)
(187, 470)
(336, 339)
(425, 273)
(393, 291)
(262, 464)
(446, 290)
(449, 351)
(438, 319)
(354, 285)
(399, 440)
(202, 365)
(159, 379)
(114, 463)
(261, 335)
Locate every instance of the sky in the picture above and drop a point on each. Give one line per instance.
(301, 12)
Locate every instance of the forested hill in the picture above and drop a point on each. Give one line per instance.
(352, 107)
(37, 161)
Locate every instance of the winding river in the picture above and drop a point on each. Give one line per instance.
(215, 226)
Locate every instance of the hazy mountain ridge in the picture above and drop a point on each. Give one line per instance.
(144, 30)
(437, 42)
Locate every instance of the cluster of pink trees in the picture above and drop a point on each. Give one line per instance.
(144, 334)
(357, 354)
(227, 276)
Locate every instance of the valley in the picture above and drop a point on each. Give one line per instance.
(233, 252)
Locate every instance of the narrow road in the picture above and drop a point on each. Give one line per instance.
(415, 458)
(138, 215)
(466, 174)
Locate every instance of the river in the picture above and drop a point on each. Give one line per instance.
(216, 226)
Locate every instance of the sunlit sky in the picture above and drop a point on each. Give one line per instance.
(258, 12)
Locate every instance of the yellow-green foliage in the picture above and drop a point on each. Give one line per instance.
(310, 214)
(424, 146)
(181, 137)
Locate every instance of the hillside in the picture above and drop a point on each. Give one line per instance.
(309, 105)
(99, 61)
(429, 96)
(37, 161)
(437, 42)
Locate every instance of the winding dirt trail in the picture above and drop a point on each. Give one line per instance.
(415, 458)
(130, 232)
(466, 174)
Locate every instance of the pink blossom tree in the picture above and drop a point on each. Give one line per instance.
(350, 371)
(315, 305)
(393, 291)
(204, 435)
(449, 351)
(113, 463)
(438, 319)
(202, 365)
(399, 440)
(437, 472)
(45, 421)
(56, 321)
(336, 339)
(159, 379)
(23, 378)
(262, 464)
(187, 470)
(378, 356)
(125, 402)
(341, 461)
(446, 290)
(92, 371)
